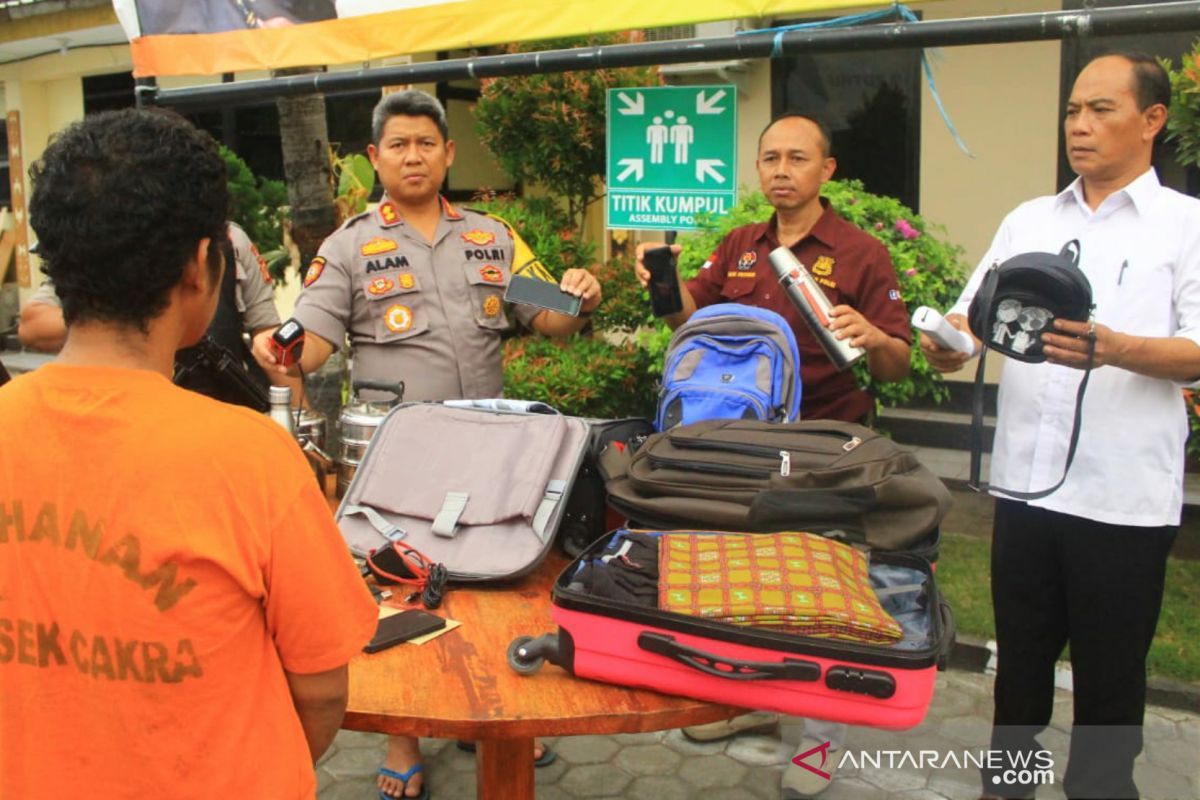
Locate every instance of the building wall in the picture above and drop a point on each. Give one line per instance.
(48, 93)
(1003, 101)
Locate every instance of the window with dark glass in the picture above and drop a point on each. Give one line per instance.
(871, 102)
(110, 92)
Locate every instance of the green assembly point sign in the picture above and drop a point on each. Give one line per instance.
(671, 155)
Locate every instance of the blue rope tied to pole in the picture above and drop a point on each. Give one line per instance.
(896, 9)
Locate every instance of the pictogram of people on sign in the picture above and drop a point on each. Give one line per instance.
(680, 134)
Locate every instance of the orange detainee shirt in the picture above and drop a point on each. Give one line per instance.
(164, 558)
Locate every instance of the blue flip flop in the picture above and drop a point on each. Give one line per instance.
(403, 776)
(544, 760)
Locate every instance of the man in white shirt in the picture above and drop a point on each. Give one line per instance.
(1085, 565)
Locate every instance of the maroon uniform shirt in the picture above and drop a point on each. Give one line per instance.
(852, 267)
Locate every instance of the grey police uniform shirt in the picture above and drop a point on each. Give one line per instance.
(430, 314)
(254, 294)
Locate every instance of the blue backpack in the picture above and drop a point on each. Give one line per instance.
(730, 361)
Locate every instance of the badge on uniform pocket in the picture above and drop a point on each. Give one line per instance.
(398, 318)
(380, 286)
(491, 306)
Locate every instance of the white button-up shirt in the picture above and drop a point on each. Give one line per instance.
(1141, 252)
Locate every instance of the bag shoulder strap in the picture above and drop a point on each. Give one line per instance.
(977, 428)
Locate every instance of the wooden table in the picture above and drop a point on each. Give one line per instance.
(459, 686)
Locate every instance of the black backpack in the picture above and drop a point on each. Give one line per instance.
(583, 519)
(1022, 297)
(1016, 302)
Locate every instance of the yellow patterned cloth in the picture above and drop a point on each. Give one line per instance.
(792, 582)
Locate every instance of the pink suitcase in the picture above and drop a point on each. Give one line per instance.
(755, 668)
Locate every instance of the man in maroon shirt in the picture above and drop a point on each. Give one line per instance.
(851, 266)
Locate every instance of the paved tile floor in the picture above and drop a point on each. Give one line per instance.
(665, 766)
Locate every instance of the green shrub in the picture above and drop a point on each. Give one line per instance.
(1183, 128)
(1183, 123)
(626, 308)
(584, 376)
(260, 206)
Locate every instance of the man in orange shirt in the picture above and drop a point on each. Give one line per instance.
(177, 608)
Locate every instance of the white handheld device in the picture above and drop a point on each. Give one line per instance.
(934, 325)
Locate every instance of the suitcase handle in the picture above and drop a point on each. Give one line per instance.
(788, 669)
(861, 681)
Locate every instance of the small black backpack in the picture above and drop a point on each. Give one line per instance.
(1016, 302)
(1022, 297)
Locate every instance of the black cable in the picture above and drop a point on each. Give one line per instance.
(435, 586)
(303, 396)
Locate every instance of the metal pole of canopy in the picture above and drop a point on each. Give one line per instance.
(1154, 18)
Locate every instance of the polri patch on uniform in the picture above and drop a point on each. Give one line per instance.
(823, 266)
(479, 237)
(380, 286)
(378, 246)
(492, 274)
(747, 260)
(491, 306)
(314, 271)
(407, 281)
(398, 318)
(388, 213)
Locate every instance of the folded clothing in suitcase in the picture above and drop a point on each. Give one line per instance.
(477, 488)
(747, 475)
(632, 642)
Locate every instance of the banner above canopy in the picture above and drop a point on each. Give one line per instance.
(210, 37)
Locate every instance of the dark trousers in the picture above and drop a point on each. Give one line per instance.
(1056, 579)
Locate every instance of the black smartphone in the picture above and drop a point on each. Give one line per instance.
(403, 626)
(542, 294)
(664, 283)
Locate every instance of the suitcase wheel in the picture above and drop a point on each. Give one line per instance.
(527, 654)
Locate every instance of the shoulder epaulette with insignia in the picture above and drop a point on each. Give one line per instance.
(354, 220)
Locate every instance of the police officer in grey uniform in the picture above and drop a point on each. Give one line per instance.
(417, 283)
(42, 327)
